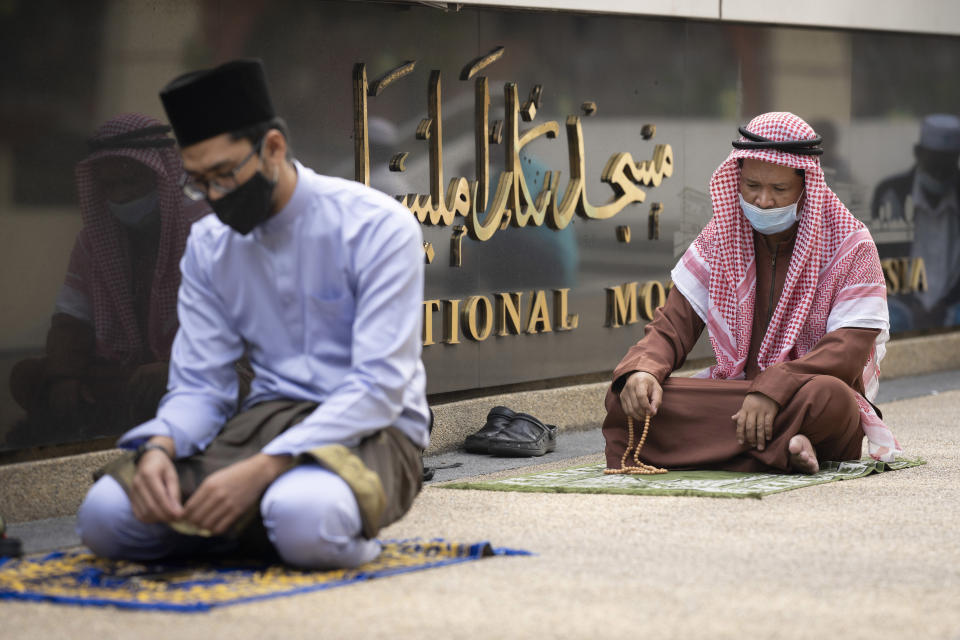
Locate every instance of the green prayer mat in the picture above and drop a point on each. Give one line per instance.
(718, 484)
(77, 577)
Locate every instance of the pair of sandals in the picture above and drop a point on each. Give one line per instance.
(512, 434)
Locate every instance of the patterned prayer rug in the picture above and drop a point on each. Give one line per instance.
(77, 577)
(718, 484)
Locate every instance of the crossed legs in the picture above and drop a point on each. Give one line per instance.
(693, 428)
(310, 514)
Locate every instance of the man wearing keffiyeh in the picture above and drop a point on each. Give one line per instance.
(115, 316)
(789, 286)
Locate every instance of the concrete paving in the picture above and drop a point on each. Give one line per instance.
(877, 557)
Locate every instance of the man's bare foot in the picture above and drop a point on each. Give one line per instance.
(803, 458)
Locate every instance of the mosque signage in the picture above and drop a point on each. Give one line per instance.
(464, 207)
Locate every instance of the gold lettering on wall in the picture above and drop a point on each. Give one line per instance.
(361, 141)
(539, 317)
(398, 162)
(904, 275)
(477, 318)
(428, 252)
(653, 221)
(513, 203)
(562, 320)
(384, 81)
(456, 245)
(508, 313)
(476, 65)
(653, 295)
(429, 306)
(891, 274)
(503, 313)
(918, 275)
(482, 205)
(621, 304)
(451, 321)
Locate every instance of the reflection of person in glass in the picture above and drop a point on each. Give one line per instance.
(115, 317)
(928, 196)
(789, 286)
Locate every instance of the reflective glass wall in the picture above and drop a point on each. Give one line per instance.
(544, 261)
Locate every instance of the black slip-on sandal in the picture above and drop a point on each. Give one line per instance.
(524, 436)
(497, 419)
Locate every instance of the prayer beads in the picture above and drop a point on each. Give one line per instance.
(640, 468)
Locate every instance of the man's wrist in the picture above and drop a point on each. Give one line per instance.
(621, 381)
(632, 374)
(156, 443)
(272, 466)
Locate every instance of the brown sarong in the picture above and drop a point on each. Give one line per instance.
(693, 428)
(385, 471)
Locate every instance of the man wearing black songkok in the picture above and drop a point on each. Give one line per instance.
(318, 281)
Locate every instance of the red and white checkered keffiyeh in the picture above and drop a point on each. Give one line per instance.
(100, 265)
(834, 279)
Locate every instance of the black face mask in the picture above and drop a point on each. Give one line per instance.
(246, 206)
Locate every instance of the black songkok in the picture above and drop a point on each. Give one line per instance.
(203, 104)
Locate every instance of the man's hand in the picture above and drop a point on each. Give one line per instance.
(755, 420)
(226, 494)
(641, 395)
(155, 493)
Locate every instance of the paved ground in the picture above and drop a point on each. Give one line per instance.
(872, 558)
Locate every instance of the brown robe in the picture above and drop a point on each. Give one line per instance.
(693, 427)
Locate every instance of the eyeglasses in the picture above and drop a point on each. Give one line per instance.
(220, 184)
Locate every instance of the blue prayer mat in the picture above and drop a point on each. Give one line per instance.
(78, 577)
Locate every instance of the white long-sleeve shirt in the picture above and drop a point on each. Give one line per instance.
(325, 298)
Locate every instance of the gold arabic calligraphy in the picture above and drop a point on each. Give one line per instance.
(512, 202)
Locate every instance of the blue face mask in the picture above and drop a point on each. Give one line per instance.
(769, 221)
(136, 213)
